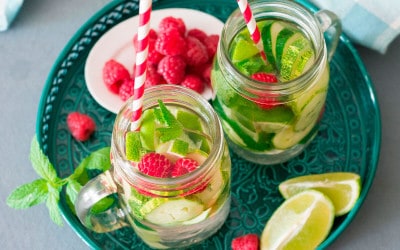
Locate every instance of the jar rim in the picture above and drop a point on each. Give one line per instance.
(289, 11)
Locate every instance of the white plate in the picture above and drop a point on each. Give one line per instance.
(117, 44)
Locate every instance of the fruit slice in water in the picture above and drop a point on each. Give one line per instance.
(302, 222)
(310, 113)
(133, 146)
(287, 137)
(244, 49)
(147, 129)
(342, 188)
(164, 211)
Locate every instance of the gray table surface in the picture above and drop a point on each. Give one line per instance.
(27, 52)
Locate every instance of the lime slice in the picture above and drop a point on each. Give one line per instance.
(302, 222)
(147, 129)
(342, 188)
(133, 146)
(243, 49)
(189, 120)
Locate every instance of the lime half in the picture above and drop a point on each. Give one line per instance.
(302, 222)
(343, 188)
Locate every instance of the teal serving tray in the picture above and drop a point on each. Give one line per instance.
(348, 139)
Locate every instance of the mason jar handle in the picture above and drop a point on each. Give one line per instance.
(332, 28)
(96, 189)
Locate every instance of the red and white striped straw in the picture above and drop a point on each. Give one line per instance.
(141, 61)
(251, 25)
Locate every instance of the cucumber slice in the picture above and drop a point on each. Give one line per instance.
(269, 35)
(319, 87)
(270, 127)
(296, 55)
(231, 133)
(204, 215)
(287, 138)
(213, 190)
(162, 211)
(310, 113)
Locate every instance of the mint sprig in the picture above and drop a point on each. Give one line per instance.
(172, 127)
(47, 188)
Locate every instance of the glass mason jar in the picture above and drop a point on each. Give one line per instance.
(165, 212)
(271, 120)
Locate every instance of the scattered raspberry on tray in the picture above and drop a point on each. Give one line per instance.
(80, 125)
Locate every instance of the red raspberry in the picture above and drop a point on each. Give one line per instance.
(171, 43)
(245, 242)
(152, 77)
(183, 166)
(80, 125)
(211, 43)
(264, 77)
(196, 53)
(170, 22)
(199, 34)
(172, 69)
(126, 89)
(155, 164)
(114, 75)
(193, 82)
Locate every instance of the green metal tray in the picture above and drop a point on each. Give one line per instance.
(348, 139)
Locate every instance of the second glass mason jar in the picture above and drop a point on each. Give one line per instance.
(167, 208)
(270, 106)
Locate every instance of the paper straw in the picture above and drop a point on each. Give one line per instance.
(141, 62)
(252, 26)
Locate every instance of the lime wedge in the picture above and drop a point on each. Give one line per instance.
(243, 49)
(147, 129)
(302, 222)
(133, 146)
(342, 188)
(189, 120)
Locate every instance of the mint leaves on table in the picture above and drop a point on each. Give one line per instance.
(48, 187)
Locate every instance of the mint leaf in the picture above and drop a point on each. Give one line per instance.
(173, 128)
(52, 205)
(73, 188)
(28, 195)
(99, 160)
(41, 163)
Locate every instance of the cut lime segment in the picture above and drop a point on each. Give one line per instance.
(243, 49)
(343, 188)
(133, 146)
(175, 149)
(147, 129)
(163, 211)
(302, 222)
(189, 120)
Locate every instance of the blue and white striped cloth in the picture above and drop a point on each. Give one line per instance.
(371, 23)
